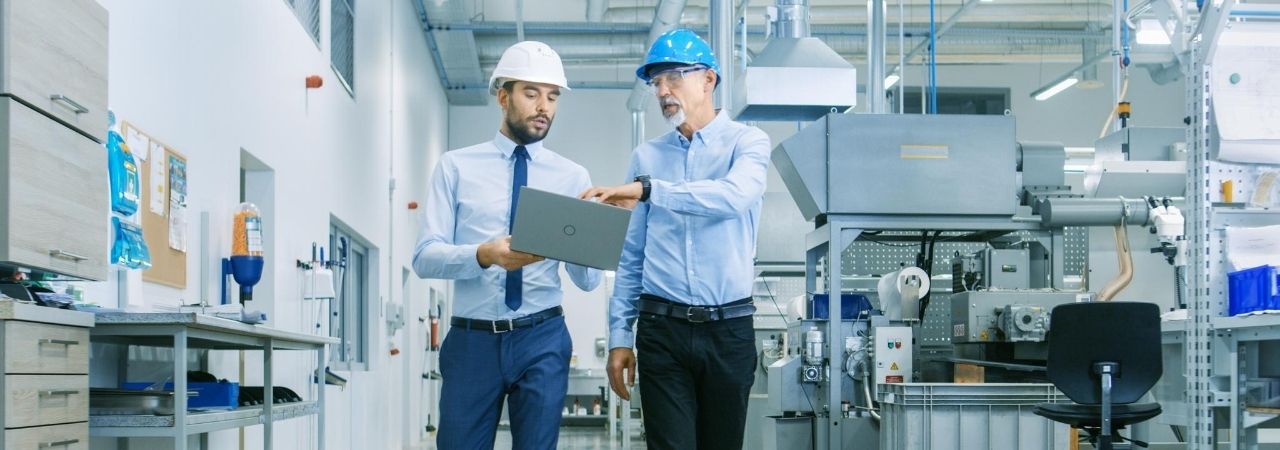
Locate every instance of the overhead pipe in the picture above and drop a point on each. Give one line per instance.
(722, 46)
(431, 43)
(946, 26)
(793, 19)
(615, 29)
(875, 56)
(596, 10)
(666, 19)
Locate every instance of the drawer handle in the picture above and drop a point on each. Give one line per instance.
(67, 255)
(69, 103)
(65, 443)
(59, 342)
(56, 393)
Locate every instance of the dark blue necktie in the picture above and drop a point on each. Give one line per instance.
(519, 178)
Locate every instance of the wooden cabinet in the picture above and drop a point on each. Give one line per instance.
(53, 118)
(46, 377)
(53, 57)
(55, 196)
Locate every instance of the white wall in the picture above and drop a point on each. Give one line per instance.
(212, 78)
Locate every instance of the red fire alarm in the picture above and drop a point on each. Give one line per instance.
(314, 82)
(413, 205)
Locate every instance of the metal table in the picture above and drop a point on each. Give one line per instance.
(183, 331)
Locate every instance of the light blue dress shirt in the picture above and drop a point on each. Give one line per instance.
(468, 205)
(694, 241)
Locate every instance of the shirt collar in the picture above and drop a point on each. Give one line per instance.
(508, 146)
(711, 130)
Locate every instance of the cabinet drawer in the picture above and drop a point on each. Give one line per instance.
(73, 436)
(31, 348)
(55, 57)
(57, 195)
(36, 400)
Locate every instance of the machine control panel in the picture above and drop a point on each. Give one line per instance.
(892, 360)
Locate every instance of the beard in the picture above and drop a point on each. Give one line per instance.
(676, 118)
(523, 131)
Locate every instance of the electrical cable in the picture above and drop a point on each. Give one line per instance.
(787, 323)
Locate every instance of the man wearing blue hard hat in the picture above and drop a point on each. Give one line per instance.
(686, 270)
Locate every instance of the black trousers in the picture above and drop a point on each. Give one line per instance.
(694, 381)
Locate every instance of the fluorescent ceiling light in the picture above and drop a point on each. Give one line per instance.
(986, 1)
(891, 80)
(1150, 33)
(1051, 91)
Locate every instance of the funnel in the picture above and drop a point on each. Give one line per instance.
(247, 271)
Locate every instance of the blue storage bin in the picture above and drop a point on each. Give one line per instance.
(208, 395)
(852, 306)
(1256, 289)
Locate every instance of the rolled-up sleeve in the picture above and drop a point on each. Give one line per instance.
(436, 255)
(727, 196)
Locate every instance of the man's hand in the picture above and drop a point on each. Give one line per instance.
(498, 251)
(625, 195)
(622, 358)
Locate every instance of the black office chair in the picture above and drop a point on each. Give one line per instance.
(1104, 356)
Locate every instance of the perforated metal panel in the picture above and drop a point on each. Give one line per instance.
(878, 258)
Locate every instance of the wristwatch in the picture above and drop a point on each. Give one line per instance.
(645, 186)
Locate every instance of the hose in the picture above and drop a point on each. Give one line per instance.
(1122, 279)
(866, 388)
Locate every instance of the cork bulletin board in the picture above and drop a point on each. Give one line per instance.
(160, 170)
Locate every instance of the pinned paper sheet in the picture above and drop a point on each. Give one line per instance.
(1252, 247)
(158, 181)
(1246, 88)
(138, 144)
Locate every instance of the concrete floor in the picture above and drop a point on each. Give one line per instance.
(571, 438)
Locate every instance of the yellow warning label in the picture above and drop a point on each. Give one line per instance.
(894, 366)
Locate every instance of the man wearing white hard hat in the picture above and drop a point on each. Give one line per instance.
(508, 341)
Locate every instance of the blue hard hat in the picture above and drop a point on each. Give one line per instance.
(679, 46)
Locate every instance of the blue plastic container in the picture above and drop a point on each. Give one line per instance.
(125, 189)
(208, 395)
(852, 306)
(1256, 289)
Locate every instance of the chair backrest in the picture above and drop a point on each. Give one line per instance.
(1126, 333)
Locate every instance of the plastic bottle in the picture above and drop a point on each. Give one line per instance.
(247, 231)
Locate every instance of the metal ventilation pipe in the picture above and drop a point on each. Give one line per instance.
(665, 19)
(793, 18)
(722, 46)
(596, 10)
(875, 56)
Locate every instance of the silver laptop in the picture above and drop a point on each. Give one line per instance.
(569, 229)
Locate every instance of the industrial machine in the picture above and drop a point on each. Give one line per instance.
(913, 184)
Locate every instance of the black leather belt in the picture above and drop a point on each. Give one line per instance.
(652, 304)
(503, 326)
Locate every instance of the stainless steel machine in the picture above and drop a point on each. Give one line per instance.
(923, 182)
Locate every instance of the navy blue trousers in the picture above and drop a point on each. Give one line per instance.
(527, 368)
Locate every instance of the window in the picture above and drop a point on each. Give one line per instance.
(308, 12)
(988, 101)
(350, 311)
(342, 24)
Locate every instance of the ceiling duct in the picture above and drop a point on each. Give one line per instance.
(795, 77)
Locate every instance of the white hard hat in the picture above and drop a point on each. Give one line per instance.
(530, 61)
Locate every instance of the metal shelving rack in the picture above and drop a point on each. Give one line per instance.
(1221, 352)
(183, 331)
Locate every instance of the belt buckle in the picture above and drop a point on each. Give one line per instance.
(510, 326)
(698, 314)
